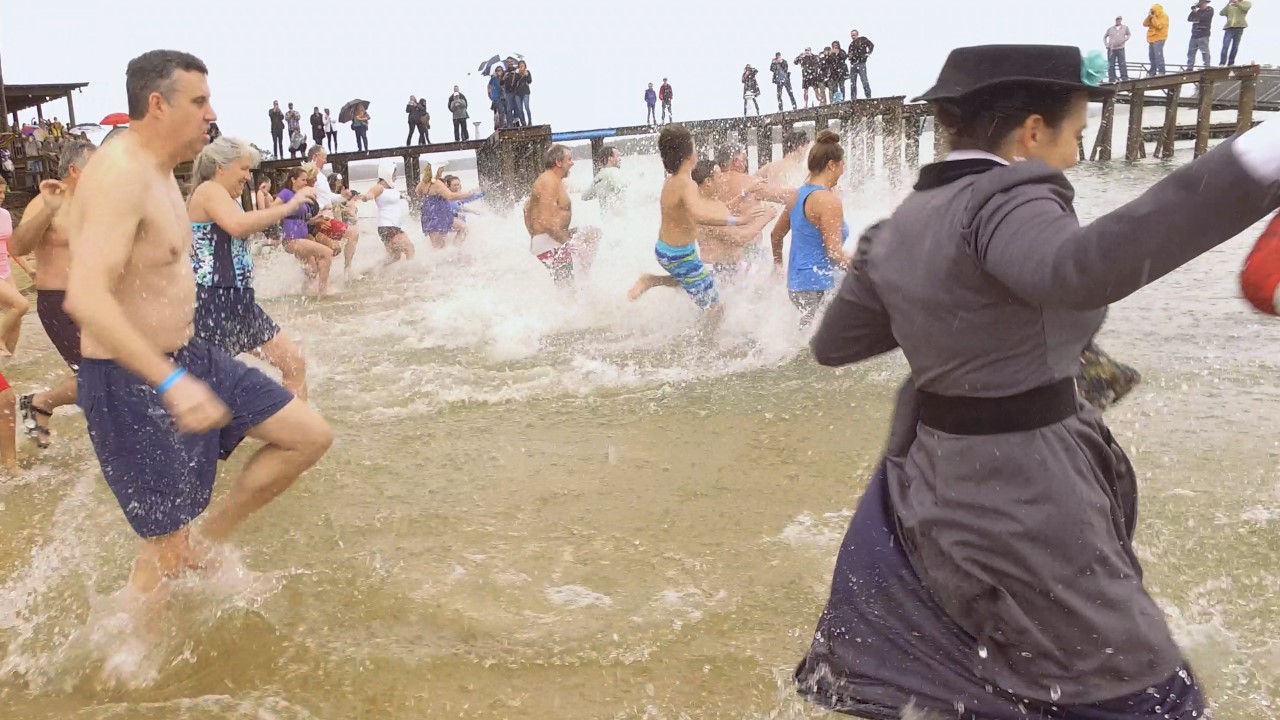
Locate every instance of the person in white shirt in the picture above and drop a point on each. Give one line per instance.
(331, 131)
(608, 185)
(332, 227)
(1114, 39)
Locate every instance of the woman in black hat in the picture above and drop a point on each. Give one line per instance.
(989, 571)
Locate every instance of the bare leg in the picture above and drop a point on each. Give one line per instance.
(324, 264)
(285, 355)
(648, 281)
(296, 438)
(349, 251)
(437, 239)
(16, 306)
(403, 246)
(460, 230)
(160, 559)
(8, 431)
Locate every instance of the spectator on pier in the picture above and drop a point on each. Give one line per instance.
(651, 100)
(294, 120)
(317, 125)
(1157, 25)
(665, 93)
(331, 131)
(808, 64)
(781, 79)
(1113, 40)
(520, 82)
(360, 126)
(277, 129)
(414, 111)
(458, 107)
(496, 99)
(823, 83)
(1234, 11)
(839, 71)
(860, 50)
(509, 99)
(424, 123)
(1201, 19)
(750, 89)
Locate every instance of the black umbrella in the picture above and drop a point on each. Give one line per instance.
(348, 111)
(486, 67)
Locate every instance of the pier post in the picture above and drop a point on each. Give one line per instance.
(510, 160)
(869, 142)
(1164, 145)
(1102, 145)
(1248, 98)
(940, 145)
(412, 171)
(764, 145)
(1203, 116)
(891, 121)
(597, 149)
(915, 121)
(1133, 147)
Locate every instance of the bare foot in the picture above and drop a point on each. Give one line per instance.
(641, 287)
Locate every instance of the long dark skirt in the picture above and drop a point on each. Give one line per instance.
(883, 644)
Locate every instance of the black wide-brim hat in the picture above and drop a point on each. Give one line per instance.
(970, 69)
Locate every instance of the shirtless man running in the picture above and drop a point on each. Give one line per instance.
(44, 230)
(163, 406)
(548, 216)
(727, 249)
(684, 209)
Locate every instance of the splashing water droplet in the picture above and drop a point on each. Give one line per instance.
(1055, 692)
(982, 651)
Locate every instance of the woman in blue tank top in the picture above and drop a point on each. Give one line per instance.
(815, 219)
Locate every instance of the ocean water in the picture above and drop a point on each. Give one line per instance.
(558, 503)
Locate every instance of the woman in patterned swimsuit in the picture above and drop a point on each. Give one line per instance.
(226, 311)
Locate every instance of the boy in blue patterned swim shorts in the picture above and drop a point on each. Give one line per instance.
(683, 210)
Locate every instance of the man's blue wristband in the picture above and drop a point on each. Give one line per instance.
(168, 383)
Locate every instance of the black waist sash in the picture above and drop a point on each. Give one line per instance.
(1035, 408)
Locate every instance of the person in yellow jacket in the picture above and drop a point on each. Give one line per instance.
(1234, 11)
(1157, 25)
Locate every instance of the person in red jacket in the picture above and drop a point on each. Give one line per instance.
(665, 95)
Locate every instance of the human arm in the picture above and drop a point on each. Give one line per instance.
(780, 230)
(224, 211)
(22, 263)
(37, 217)
(871, 47)
(855, 326)
(1031, 241)
(748, 233)
(714, 213)
(107, 216)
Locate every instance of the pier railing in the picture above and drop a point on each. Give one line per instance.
(881, 135)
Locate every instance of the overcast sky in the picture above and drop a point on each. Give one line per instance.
(590, 61)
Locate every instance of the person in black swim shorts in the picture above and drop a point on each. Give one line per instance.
(44, 231)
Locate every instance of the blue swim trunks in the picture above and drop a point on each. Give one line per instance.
(163, 479)
(683, 264)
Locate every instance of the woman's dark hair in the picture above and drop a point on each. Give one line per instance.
(703, 171)
(292, 174)
(675, 144)
(826, 150)
(982, 120)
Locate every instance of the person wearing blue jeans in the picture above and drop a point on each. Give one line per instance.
(1235, 12)
(1201, 19)
(1114, 40)
(859, 53)
(520, 81)
(1155, 52)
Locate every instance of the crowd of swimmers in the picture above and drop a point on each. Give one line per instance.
(989, 571)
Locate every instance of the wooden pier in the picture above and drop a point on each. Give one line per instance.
(880, 135)
(1167, 90)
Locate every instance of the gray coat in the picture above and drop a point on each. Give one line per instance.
(458, 106)
(991, 288)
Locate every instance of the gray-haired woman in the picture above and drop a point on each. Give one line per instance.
(227, 313)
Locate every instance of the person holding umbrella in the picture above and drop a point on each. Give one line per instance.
(356, 112)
